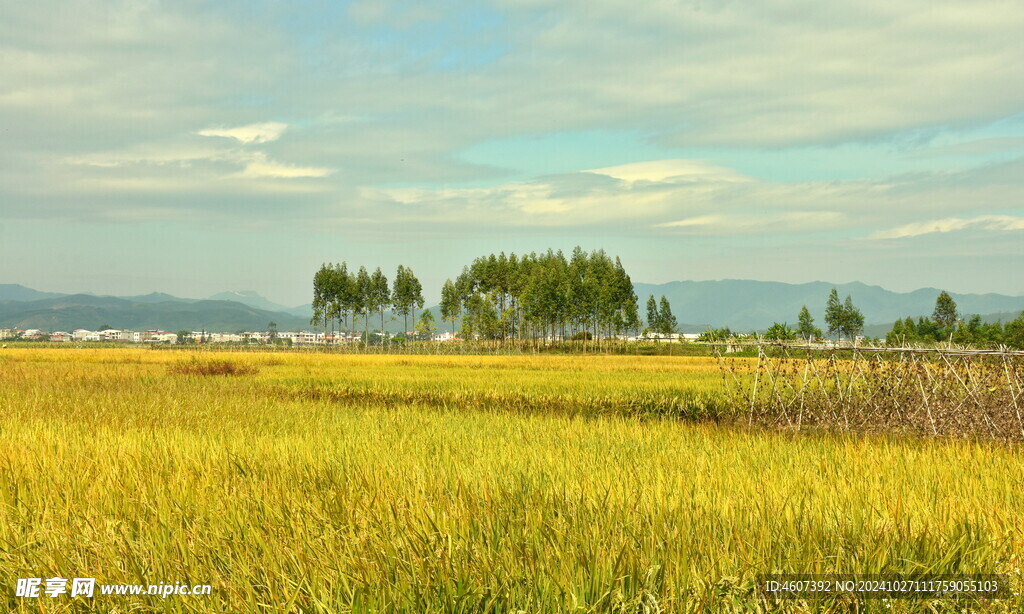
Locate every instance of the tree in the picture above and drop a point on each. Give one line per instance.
(426, 325)
(379, 295)
(406, 295)
(853, 319)
(834, 313)
(272, 331)
(945, 314)
(321, 292)
(183, 336)
(1013, 334)
(362, 301)
(899, 335)
(451, 306)
(667, 324)
(653, 317)
(780, 332)
(342, 293)
(104, 327)
(805, 327)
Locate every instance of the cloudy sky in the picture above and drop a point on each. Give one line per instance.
(196, 147)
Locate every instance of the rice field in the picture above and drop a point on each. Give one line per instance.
(295, 482)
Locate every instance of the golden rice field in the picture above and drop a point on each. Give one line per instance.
(329, 483)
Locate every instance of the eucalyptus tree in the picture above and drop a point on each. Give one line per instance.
(378, 296)
(653, 317)
(401, 297)
(667, 324)
(341, 291)
(451, 306)
(361, 300)
(834, 313)
(321, 295)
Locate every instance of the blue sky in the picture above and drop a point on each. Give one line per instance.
(196, 147)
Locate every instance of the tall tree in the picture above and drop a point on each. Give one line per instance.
(834, 313)
(667, 324)
(362, 300)
(340, 293)
(945, 314)
(805, 325)
(380, 295)
(400, 298)
(853, 319)
(653, 317)
(414, 293)
(451, 306)
(321, 295)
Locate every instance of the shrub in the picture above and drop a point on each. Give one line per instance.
(194, 366)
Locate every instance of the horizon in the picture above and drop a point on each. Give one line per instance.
(433, 303)
(163, 147)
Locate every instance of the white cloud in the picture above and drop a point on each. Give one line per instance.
(261, 167)
(951, 224)
(252, 133)
(670, 171)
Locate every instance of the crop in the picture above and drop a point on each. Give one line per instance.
(321, 483)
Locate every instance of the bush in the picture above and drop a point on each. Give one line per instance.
(195, 366)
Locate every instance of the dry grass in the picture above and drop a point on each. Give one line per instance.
(195, 366)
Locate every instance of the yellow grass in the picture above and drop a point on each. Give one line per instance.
(288, 492)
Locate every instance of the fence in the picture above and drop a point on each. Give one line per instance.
(938, 392)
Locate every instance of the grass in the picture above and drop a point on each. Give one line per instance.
(320, 483)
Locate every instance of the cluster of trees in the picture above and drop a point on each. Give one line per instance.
(945, 324)
(843, 319)
(542, 295)
(339, 295)
(659, 317)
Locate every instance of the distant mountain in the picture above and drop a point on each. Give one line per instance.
(250, 298)
(18, 292)
(745, 305)
(91, 312)
(742, 305)
(156, 297)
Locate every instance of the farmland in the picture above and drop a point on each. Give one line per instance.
(324, 483)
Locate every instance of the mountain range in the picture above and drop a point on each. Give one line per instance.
(745, 305)
(742, 305)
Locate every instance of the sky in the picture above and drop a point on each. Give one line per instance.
(197, 147)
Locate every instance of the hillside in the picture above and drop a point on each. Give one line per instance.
(742, 305)
(91, 312)
(746, 305)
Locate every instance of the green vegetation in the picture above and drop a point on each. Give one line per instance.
(843, 319)
(945, 325)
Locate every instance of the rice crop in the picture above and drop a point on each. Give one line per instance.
(321, 483)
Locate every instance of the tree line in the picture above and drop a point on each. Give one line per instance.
(543, 295)
(843, 318)
(945, 324)
(339, 294)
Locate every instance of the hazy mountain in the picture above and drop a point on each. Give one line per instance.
(18, 292)
(739, 304)
(156, 297)
(250, 298)
(744, 305)
(91, 312)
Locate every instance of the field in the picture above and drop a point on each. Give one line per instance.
(321, 483)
